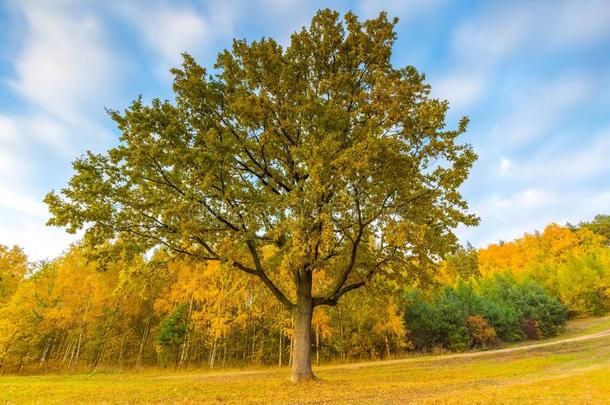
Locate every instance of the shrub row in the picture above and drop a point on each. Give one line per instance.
(481, 313)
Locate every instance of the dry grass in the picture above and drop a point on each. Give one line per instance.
(573, 372)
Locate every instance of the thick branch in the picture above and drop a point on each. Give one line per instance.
(352, 259)
(260, 273)
(334, 299)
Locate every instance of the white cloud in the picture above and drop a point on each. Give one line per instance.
(482, 43)
(461, 89)
(509, 216)
(8, 130)
(493, 35)
(579, 22)
(19, 131)
(62, 70)
(64, 64)
(540, 109)
(11, 146)
(505, 217)
(8, 163)
(504, 27)
(505, 165)
(17, 201)
(576, 163)
(38, 241)
(169, 29)
(22, 213)
(478, 45)
(22, 220)
(526, 200)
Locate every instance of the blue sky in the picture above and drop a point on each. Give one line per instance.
(533, 76)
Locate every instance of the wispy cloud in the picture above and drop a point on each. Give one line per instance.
(11, 148)
(578, 23)
(63, 73)
(169, 29)
(502, 28)
(508, 216)
(537, 109)
(64, 63)
(478, 46)
(462, 89)
(17, 201)
(568, 165)
(485, 41)
(492, 35)
(22, 222)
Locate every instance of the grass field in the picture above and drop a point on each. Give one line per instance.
(568, 372)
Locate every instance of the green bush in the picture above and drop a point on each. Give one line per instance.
(478, 313)
(171, 334)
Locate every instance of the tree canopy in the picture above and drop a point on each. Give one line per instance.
(314, 167)
(599, 225)
(13, 268)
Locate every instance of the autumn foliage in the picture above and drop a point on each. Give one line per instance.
(572, 264)
(510, 291)
(74, 312)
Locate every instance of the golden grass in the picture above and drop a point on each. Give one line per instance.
(587, 326)
(573, 372)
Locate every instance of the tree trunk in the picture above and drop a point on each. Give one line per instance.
(82, 331)
(342, 344)
(280, 349)
(212, 354)
(224, 354)
(387, 346)
(43, 358)
(143, 341)
(291, 346)
(317, 344)
(301, 363)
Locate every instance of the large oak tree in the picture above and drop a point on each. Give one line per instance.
(315, 168)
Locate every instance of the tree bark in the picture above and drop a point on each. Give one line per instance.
(301, 363)
(317, 345)
(280, 349)
(143, 341)
(291, 346)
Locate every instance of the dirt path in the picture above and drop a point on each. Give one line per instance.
(472, 354)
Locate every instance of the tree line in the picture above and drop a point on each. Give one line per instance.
(76, 312)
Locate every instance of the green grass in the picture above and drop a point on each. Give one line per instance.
(575, 372)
